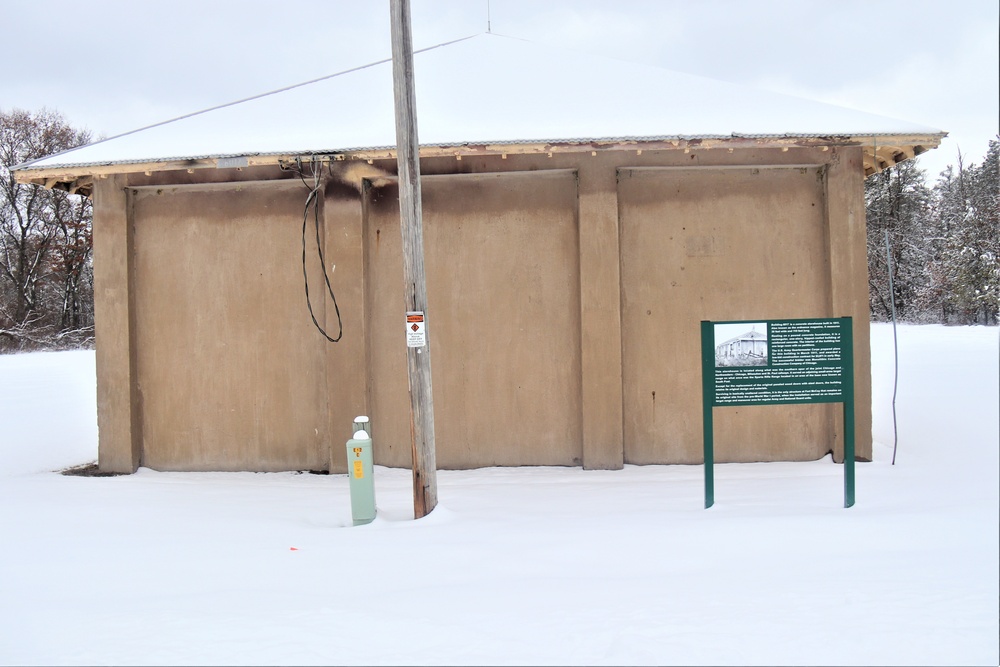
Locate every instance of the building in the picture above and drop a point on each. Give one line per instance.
(581, 217)
(751, 345)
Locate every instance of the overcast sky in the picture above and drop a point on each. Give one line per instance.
(114, 65)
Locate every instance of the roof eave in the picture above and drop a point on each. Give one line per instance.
(880, 150)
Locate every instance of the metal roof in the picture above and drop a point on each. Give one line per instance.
(492, 90)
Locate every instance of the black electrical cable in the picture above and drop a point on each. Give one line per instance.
(313, 200)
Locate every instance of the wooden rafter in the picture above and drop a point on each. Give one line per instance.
(879, 153)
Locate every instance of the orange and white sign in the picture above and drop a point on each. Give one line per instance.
(416, 329)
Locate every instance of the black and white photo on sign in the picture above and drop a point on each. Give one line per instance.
(741, 344)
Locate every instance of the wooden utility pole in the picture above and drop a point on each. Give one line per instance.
(418, 351)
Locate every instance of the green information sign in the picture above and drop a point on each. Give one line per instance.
(771, 362)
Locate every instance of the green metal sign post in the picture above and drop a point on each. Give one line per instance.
(778, 362)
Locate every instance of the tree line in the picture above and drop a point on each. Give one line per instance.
(943, 249)
(46, 268)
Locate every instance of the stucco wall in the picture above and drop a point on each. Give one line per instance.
(563, 292)
(715, 244)
(503, 277)
(230, 376)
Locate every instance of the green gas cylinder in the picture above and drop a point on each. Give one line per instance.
(361, 474)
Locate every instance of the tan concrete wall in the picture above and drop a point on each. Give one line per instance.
(600, 316)
(706, 243)
(119, 411)
(563, 291)
(347, 360)
(503, 320)
(847, 243)
(230, 372)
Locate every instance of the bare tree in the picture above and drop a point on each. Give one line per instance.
(46, 299)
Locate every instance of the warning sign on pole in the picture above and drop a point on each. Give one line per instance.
(416, 329)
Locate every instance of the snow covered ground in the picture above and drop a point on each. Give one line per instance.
(517, 565)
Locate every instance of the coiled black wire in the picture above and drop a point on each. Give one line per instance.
(312, 200)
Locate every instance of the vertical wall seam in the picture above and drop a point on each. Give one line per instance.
(135, 391)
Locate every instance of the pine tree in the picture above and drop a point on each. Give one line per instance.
(978, 270)
(967, 249)
(950, 206)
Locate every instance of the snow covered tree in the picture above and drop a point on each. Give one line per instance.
(950, 206)
(967, 241)
(976, 245)
(46, 296)
(945, 242)
(898, 202)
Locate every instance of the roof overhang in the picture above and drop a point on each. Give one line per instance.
(880, 152)
(486, 95)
